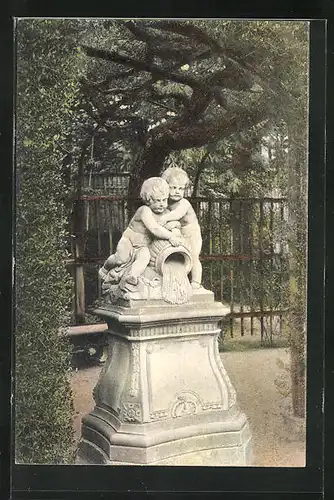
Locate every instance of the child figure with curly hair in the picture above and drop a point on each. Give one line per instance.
(181, 210)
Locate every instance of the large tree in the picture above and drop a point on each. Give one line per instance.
(174, 85)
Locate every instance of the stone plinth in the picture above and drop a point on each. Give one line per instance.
(163, 396)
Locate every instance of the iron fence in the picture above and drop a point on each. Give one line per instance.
(106, 183)
(244, 256)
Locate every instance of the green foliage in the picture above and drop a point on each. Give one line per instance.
(251, 164)
(168, 83)
(47, 70)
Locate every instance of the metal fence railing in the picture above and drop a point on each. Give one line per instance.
(244, 255)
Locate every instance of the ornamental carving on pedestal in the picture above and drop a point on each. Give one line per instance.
(131, 412)
(158, 415)
(134, 388)
(187, 403)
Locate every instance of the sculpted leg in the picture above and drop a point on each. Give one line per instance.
(121, 256)
(196, 273)
(142, 258)
(123, 252)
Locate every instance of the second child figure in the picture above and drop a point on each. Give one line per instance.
(180, 209)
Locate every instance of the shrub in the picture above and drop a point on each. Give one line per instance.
(46, 90)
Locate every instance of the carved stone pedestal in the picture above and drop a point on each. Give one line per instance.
(163, 396)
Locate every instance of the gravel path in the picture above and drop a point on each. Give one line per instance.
(277, 439)
(276, 442)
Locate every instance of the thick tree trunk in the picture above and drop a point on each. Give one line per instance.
(149, 164)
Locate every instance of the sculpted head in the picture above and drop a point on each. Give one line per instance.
(178, 181)
(154, 193)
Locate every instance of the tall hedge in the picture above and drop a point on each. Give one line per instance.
(46, 90)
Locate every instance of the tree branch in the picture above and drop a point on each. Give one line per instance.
(129, 90)
(179, 135)
(110, 78)
(201, 96)
(195, 33)
(165, 50)
(230, 79)
(172, 95)
(190, 31)
(138, 32)
(160, 105)
(198, 103)
(155, 70)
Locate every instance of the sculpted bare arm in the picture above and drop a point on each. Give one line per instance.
(178, 212)
(152, 225)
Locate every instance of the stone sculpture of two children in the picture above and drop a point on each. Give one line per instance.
(164, 209)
